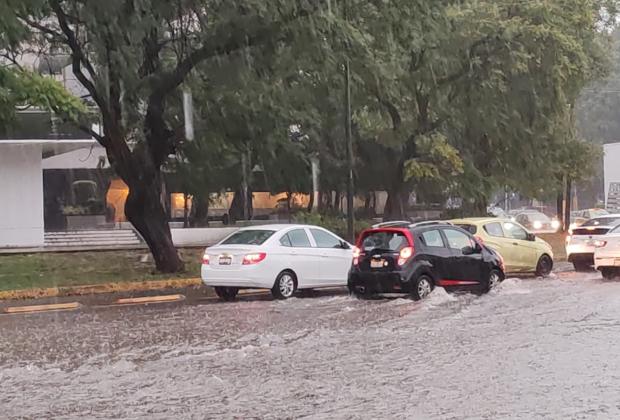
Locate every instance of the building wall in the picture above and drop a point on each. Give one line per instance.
(21, 196)
(612, 176)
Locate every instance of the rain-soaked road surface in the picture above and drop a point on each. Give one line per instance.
(531, 349)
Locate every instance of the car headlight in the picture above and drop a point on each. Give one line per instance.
(537, 224)
(555, 224)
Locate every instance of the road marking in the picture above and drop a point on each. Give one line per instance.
(150, 299)
(41, 308)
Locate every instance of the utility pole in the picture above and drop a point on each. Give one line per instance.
(244, 184)
(349, 139)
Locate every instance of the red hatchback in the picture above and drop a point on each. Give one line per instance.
(414, 259)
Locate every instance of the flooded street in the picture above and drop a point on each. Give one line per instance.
(531, 349)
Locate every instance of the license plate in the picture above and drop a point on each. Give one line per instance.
(377, 263)
(225, 260)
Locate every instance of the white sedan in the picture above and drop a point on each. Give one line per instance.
(607, 253)
(283, 258)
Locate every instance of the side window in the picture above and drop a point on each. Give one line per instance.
(285, 240)
(457, 240)
(324, 239)
(514, 231)
(299, 239)
(494, 229)
(433, 238)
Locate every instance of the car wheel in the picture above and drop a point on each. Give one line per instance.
(495, 278)
(227, 293)
(422, 287)
(581, 266)
(285, 285)
(544, 266)
(609, 273)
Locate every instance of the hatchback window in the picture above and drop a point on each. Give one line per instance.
(494, 229)
(324, 239)
(456, 239)
(514, 231)
(249, 237)
(299, 239)
(385, 241)
(433, 238)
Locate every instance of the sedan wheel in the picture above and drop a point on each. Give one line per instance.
(285, 285)
(422, 287)
(226, 293)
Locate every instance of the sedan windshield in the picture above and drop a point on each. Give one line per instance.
(541, 217)
(249, 237)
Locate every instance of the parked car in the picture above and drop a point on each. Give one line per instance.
(416, 258)
(537, 222)
(283, 258)
(580, 243)
(607, 254)
(522, 251)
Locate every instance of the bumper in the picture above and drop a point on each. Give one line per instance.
(379, 282)
(585, 257)
(606, 262)
(243, 277)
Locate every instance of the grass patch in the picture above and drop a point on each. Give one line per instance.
(25, 271)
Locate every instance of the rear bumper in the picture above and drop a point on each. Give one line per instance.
(379, 282)
(243, 277)
(582, 257)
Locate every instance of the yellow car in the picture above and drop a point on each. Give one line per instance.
(521, 250)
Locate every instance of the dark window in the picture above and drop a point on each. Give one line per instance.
(456, 239)
(473, 229)
(433, 238)
(299, 239)
(324, 239)
(494, 229)
(388, 241)
(249, 237)
(602, 221)
(285, 241)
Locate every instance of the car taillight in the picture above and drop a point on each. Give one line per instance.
(205, 259)
(255, 258)
(404, 255)
(356, 255)
(479, 240)
(599, 244)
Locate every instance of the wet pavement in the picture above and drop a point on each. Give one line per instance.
(530, 349)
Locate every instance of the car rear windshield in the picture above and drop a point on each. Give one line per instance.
(249, 237)
(602, 221)
(383, 240)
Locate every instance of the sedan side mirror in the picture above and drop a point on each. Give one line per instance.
(344, 245)
(531, 237)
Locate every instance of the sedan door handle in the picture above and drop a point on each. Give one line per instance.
(516, 243)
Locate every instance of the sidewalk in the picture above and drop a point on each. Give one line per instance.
(96, 289)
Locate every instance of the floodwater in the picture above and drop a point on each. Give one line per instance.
(530, 349)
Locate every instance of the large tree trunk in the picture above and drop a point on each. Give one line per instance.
(146, 213)
(395, 204)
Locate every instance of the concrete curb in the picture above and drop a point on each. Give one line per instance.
(138, 286)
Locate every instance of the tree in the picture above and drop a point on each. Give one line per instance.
(132, 57)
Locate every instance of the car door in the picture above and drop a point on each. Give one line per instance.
(434, 251)
(335, 259)
(524, 250)
(496, 239)
(304, 257)
(463, 270)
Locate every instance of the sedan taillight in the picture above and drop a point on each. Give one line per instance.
(356, 255)
(205, 259)
(254, 258)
